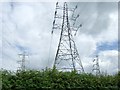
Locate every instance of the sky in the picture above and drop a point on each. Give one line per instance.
(27, 26)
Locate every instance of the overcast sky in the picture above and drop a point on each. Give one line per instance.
(27, 27)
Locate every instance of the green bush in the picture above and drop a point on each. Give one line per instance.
(54, 80)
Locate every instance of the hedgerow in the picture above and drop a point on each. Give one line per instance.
(56, 80)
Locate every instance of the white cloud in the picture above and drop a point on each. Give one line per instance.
(24, 14)
(109, 61)
(111, 33)
(29, 25)
(28, 31)
(86, 45)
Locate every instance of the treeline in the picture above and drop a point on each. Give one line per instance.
(54, 80)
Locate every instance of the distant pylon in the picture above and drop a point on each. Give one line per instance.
(67, 57)
(22, 61)
(96, 67)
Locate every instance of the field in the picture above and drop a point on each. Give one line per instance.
(51, 79)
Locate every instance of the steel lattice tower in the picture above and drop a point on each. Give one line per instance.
(67, 57)
(96, 67)
(22, 62)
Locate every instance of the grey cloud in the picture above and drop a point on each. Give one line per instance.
(34, 33)
(95, 16)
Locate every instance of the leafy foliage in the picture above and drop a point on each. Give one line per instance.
(53, 79)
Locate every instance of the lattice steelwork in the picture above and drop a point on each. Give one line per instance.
(67, 57)
(96, 67)
(22, 61)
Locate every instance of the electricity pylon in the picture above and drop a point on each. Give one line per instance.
(96, 67)
(67, 57)
(22, 61)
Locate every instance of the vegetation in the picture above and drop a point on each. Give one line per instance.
(55, 80)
